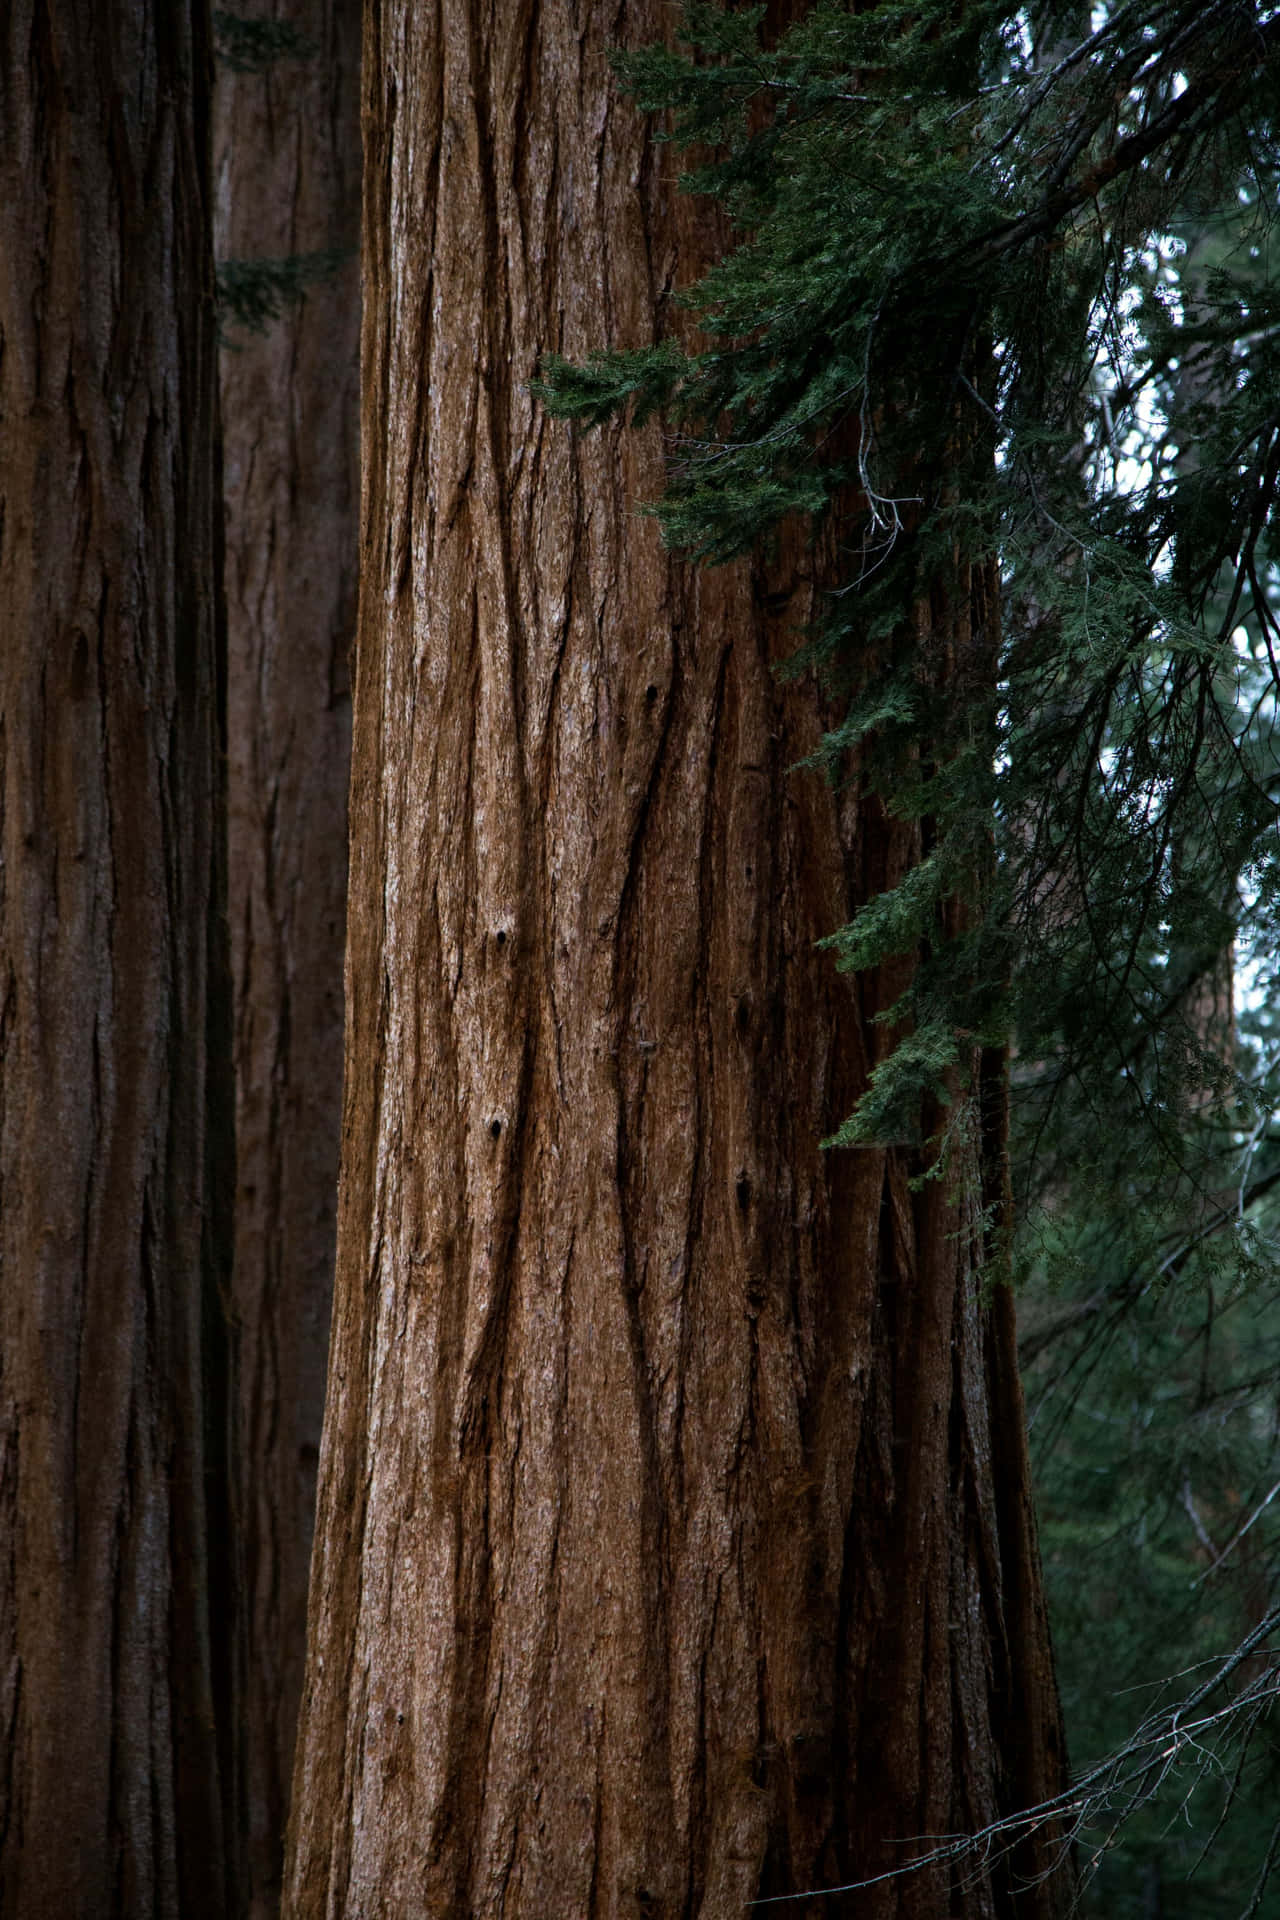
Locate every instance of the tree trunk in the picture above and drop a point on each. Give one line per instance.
(674, 1544)
(287, 154)
(118, 1689)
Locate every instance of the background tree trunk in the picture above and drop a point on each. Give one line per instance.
(287, 154)
(674, 1541)
(118, 1692)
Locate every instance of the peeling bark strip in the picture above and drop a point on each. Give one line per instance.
(117, 1697)
(674, 1544)
(287, 166)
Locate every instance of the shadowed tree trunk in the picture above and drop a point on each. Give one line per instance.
(118, 1699)
(287, 159)
(674, 1544)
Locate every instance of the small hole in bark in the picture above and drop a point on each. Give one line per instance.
(751, 873)
(399, 1719)
(650, 695)
(495, 1128)
(501, 936)
(742, 1014)
(744, 1191)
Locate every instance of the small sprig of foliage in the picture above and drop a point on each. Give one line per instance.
(254, 293)
(247, 44)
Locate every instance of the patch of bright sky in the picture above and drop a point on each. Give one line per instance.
(1125, 464)
(1126, 458)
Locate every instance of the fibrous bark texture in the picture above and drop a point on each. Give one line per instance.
(118, 1773)
(287, 160)
(673, 1545)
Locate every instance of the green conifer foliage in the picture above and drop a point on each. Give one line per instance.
(254, 293)
(941, 328)
(249, 43)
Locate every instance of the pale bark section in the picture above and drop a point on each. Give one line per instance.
(117, 1690)
(287, 159)
(673, 1542)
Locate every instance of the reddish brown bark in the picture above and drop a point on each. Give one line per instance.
(287, 155)
(674, 1541)
(118, 1707)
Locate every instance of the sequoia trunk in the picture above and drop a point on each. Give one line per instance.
(287, 154)
(118, 1695)
(674, 1545)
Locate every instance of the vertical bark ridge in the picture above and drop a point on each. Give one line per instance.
(118, 1651)
(655, 1566)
